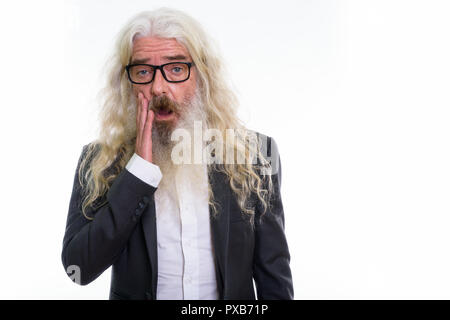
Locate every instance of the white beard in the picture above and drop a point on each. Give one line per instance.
(180, 176)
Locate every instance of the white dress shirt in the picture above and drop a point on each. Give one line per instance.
(185, 253)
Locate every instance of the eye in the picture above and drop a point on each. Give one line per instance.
(142, 72)
(177, 69)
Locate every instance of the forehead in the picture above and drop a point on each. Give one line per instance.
(144, 47)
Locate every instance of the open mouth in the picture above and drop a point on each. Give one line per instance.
(164, 113)
(164, 108)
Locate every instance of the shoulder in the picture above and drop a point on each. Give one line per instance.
(268, 150)
(88, 152)
(90, 148)
(91, 154)
(267, 146)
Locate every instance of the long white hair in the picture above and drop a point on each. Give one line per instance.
(108, 155)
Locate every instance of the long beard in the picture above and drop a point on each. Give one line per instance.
(175, 175)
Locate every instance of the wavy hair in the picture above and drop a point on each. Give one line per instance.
(110, 152)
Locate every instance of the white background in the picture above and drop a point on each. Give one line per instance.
(356, 93)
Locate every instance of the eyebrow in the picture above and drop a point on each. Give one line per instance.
(176, 57)
(138, 61)
(170, 58)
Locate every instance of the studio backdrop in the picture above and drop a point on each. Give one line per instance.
(356, 94)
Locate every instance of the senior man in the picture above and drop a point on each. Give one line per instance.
(208, 226)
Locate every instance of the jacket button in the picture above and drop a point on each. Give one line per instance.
(141, 205)
(138, 212)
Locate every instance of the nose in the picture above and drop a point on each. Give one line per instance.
(158, 85)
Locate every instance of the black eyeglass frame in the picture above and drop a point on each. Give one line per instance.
(160, 67)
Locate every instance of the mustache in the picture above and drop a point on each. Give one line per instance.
(158, 103)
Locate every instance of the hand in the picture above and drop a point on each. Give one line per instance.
(144, 122)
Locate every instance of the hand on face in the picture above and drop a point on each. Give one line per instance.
(144, 123)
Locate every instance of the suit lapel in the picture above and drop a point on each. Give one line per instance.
(148, 222)
(220, 224)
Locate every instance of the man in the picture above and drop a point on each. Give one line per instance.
(175, 194)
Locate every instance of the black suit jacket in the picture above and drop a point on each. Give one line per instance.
(123, 234)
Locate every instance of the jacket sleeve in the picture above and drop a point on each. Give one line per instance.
(271, 269)
(91, 246)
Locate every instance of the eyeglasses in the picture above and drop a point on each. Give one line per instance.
(172, 72)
